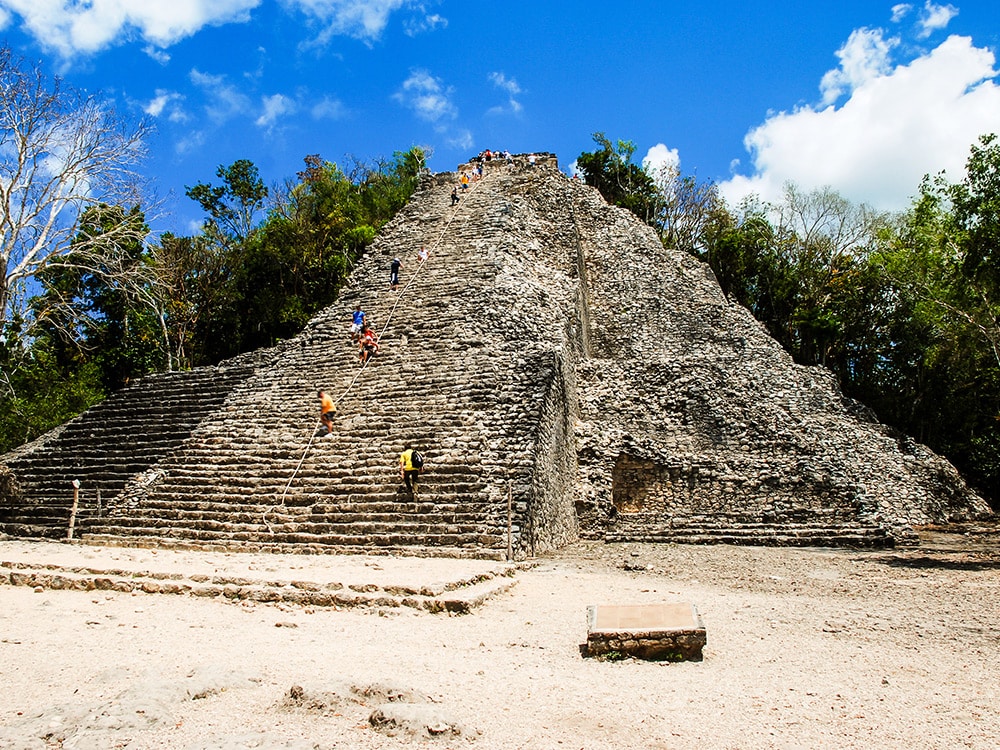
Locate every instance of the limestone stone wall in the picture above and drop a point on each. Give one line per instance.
(689, 408)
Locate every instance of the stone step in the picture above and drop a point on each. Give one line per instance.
(760, 535)
(820, 517)
(257, 523)
(227, 546)
(388, 542)
(185, 497)
(40, 528)
(459, 598)
(448, 512)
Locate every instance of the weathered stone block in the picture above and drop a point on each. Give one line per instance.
(655, 632)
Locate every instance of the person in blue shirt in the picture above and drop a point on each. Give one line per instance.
(357, 323)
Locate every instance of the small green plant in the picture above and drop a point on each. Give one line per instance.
(612, 656)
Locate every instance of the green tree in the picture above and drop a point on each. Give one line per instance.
(976, 209)
(234, 205)
(261, 283)
(47, 385)
(623, 183)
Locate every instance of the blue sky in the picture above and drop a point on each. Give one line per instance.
(864, 97)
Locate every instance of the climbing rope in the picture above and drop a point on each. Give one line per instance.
(385, 327)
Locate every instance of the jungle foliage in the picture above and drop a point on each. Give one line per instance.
(116, 305)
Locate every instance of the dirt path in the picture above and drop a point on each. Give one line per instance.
(806, 648)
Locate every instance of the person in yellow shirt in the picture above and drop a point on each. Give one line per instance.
(410, 465)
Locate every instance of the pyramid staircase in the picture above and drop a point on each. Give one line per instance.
(108, 444)
(253, 474)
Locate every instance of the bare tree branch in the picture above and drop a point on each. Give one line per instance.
(61, 152)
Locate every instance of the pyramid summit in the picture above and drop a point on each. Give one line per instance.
(560, 371)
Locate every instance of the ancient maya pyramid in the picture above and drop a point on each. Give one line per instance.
(563, 374)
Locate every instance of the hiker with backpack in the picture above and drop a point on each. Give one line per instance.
(411, 463)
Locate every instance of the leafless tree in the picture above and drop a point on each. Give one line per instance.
(825, 218)
(61, 151)
(684, 208)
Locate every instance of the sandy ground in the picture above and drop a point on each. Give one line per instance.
(807, 648)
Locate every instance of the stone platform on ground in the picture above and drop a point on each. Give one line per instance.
(430, 584)
(656, 632)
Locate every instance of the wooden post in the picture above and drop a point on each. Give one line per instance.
(72, 513)
(510, 523)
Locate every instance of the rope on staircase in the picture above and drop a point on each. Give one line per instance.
(385, 326)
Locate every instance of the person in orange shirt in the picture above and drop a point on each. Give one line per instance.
(326, 411)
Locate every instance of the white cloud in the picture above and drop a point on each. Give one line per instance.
(896, 126)
(901, 11)
(501, 81)
(428, 23)
(362, 19)
(462, 139)
(935, 17)
(72, 27)
(659, 158)
(166, 103)
(510, 87)
(192, 141)
(225, 101)
(864, 57)
(275, 107)
(157, 54)
(328, 108)
(428, 97)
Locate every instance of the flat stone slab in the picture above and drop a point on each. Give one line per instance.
(656, 632)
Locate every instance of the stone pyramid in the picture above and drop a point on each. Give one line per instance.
(562, 373)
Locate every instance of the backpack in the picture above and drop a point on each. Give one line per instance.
(416, 460)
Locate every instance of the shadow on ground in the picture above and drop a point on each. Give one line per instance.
(971, 547)
(943, 562)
